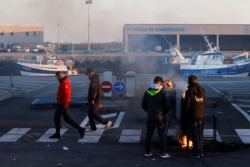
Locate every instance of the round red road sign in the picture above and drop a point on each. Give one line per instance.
(106, 86)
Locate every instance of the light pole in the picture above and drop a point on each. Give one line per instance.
(88, 2)
(58, 36)
(58, 33)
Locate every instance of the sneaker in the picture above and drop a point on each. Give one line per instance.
(55, 136)
(89, 129)
(82, 132)
(108, 125)
(196, 156)
(148, 154)
(165, 155)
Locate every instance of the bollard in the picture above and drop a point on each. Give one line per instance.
(130, 84)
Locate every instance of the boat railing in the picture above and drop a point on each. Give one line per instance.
(30, 61)
(244, 55)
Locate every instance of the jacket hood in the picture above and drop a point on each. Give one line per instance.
(197, 89)
(154, 89)
(93, 77)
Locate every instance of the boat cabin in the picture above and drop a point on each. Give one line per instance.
(207, 58)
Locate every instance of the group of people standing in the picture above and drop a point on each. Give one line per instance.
(157, 102)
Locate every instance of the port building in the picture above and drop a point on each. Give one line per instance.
(186, 37)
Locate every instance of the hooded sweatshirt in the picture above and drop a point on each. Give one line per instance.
(94, 93)
(155, 102)
(195, 99)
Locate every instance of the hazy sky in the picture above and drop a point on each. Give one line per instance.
(107, 17)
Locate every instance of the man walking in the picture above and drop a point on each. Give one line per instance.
(94, 100)
(156, 103)
(63, 104)
(195, 105)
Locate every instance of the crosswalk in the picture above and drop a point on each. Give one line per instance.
(125, 135)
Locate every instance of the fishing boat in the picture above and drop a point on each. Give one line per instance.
(45, 65)
(214, 63)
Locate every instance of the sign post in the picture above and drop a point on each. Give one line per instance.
(107, 76)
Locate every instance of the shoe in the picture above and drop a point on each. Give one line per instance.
(55, 136)
(89, 129)
(148, 154)
(165, 155)
(108, 125)
(82, 132)
(196, 156)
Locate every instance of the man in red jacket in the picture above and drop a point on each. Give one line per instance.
(63, 104)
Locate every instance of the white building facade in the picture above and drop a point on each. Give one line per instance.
(145, 37)
(20, 34)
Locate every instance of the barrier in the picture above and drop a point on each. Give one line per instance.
(130, 84)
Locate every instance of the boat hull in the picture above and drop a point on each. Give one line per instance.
(39, 69)
(215, 70)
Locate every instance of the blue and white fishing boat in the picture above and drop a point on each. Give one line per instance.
(47, 64)
(214, 63)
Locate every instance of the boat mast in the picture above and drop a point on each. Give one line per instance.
(209, 44)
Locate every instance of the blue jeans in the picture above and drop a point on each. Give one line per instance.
(196, 134)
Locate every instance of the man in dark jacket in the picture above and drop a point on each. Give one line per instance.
(94, 100)
(156, 103)
(195, 99)
(63, 104)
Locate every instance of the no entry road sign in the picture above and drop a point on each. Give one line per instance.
(106, 86)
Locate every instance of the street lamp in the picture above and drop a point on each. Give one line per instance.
(58, 37)
(58, 33)
(88, 2)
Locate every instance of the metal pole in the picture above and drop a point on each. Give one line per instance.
(11, 82)
(88, 26)
(214, 128)
(58, 36)
(58, 25)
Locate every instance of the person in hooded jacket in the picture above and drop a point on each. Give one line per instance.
(63, 104)
(94, 100)
(156, 104)
(195, 99)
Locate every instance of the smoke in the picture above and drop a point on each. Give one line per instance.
(107, 17)
(180, 85)
(58, 17)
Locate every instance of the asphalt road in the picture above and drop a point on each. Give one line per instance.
(24, 130)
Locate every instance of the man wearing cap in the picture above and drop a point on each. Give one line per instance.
(63, 104)
(94, 100)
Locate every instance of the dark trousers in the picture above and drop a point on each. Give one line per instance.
(93, 115)
(61, 111)
(196, 134)
(161, 127)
